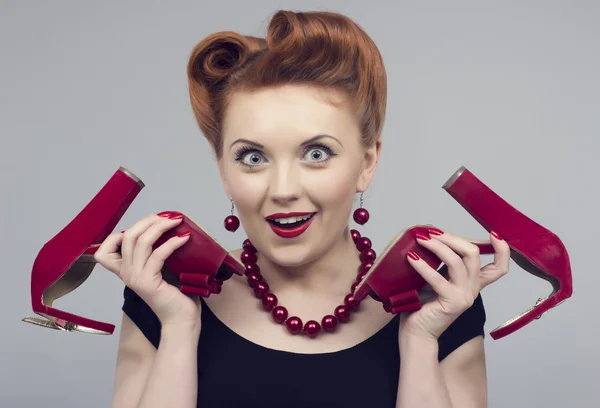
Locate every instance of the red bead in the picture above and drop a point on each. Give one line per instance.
(253, 279)
(363, 243)
(329, 323)
(342, 313)
(294, 324)
(364, 268)
(350, 301)
(312, 328)
(361, 216)
(368, 255)
(269, 301)
(280, 314)
(252, 267)
(247, 246)
(248, 257)
(260, 288)
(231, 223)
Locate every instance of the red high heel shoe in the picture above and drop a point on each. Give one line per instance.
(392, 281)
(67, 260)
(202, 264)
(533, 247)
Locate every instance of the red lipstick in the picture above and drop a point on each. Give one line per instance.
(289, 232)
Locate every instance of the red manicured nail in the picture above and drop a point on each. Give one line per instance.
(122, 231)
(413, 255)
(184, 234)
(165, 214)
(423, 237)
(435, 231)
(176, 216)
(496, 235)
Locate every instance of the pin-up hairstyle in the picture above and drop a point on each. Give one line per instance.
(322, 49)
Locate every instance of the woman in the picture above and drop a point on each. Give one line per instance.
(295, 122)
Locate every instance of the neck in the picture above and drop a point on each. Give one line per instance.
(333, 272)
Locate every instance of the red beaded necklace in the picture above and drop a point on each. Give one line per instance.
(280, 314)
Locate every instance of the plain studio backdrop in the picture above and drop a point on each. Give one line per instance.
(509, 89)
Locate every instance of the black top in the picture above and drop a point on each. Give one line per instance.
(234, 372)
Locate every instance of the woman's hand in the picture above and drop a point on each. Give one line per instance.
(130, 256)
(456, 293)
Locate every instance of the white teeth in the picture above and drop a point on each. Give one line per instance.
(291, 220)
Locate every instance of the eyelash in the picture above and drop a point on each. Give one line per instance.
(244, 150)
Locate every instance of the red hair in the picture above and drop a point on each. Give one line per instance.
(322, 49)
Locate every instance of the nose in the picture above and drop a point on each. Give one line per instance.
(285, 184)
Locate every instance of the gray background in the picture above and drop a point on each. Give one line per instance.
(507, 88)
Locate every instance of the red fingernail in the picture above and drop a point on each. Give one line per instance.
(435, 231)
(423, 237)
(413, 255)
(122, 231)
(165, 214)
(496, 235)
(176, 216)
(184, 234)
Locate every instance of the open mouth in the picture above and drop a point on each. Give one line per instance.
(290, 225)
(290, 222)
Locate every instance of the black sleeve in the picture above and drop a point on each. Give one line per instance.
(142, 315)
(467, 326)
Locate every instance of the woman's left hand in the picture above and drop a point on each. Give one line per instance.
(455, 294)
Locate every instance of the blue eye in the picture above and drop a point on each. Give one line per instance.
(318, 153)
(251, 159)
(249, 156)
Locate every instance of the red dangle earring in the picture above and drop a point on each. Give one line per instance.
(361, 216)
(363, 244)
(231, 223)
(329, 322)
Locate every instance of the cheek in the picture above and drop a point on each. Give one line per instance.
(333, 190)
(246, 191)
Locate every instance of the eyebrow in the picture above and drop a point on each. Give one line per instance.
(250, 142)
(309, 141)
(319, 137)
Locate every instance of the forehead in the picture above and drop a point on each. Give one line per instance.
(299, 110)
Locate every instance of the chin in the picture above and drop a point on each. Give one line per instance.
(297, 251)
(292, 255)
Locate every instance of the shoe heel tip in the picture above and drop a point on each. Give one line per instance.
(454, 177)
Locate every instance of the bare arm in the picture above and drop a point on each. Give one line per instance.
(464, 371)
(458, 381)
(146, 377)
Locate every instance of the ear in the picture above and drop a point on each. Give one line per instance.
(371, 158)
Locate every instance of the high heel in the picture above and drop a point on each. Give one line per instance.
(533, 247)
(67, 260)
(202, 264)
(392, 281)
(199, 267)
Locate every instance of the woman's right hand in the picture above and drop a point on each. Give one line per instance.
(130, 256)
